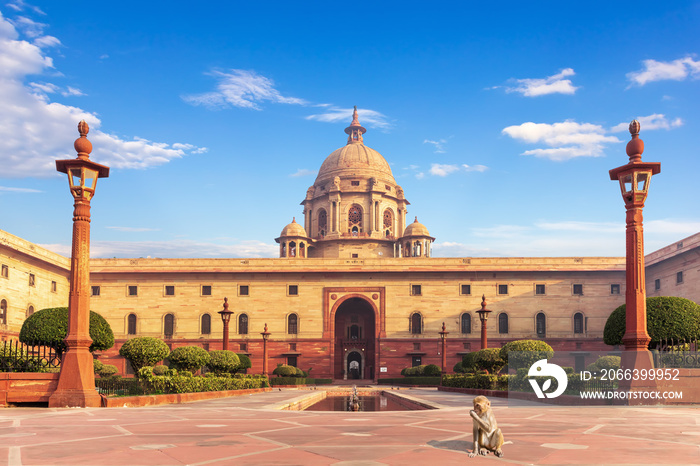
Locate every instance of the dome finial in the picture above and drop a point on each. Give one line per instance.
(355, 130)
(82, 145)
(416, 220)
(635, 147)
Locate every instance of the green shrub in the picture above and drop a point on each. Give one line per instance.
(607, 362)
(184, 382)
(468, 362)
(524, 353)
(161, 370)
(292, 380)
(144, 351)
(477, 381)
(418, 380)
(107, 370)
(489, 359)
(146, 372)
(457, 368)
(667, 318)
(403, 371)
(283, 370)
(223, 361)
(97, 365)
(244, 363)
(189, 358)
(432, 370)
(49, 327)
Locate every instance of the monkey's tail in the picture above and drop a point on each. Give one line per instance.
(508, 443)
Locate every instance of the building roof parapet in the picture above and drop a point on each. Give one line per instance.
(672, 250)
(33, 250)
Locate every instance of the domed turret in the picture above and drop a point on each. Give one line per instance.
(416, 240)
(293, 241)
(293, 229)
(416, 229)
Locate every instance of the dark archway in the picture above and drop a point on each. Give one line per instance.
(354, 365)
(355, 332)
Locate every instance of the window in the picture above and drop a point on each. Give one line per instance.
(293, 290)
(292, 361)
(416, 324)
(540, 289)
(416, 290)
(133, 290)
(388, 223)
(615, 289)
(53, 287)
(416, 347)
(32, 279)
(415, 361)
(657, 284)
(292, 324)
(679, 277)
(95, 290)
(465, 290)
(541, 324)
(169, 290)
(243, 290)
(578, 290)
(5, 271)
(502, 289)
(131, 324)
(3, 311)
(322, 223)
(292, 347)
(355, 183)
(466, 323)
(243, 324)
(355, 220)
(243, 347)
(169, 325)
(30, 310)
(206, 324)
(578, 323)
(355, 256)
(503, 323)
(206, 290)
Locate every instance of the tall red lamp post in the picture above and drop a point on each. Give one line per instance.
(483, 317)
(76, 382)
(443, 334)
(634, 179)
(225, 318)
(265, 336)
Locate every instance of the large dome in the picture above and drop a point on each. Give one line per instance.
(355, 159)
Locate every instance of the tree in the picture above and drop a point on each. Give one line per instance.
(144, 351)
(524, 353)
(49, 327)
(667, 318)
(223, 361)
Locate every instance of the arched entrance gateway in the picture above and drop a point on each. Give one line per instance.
(354, 342)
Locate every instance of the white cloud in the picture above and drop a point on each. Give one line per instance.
(420, 175)
(19, 190)
(566, 140)
(303, 172)
(47, 42)
(34, 131)
(651, 122)
(172, 249)
(439, 145)
(475, 168)
(442, 170)
(367, 117)
(555, 84)
(676, 70)
(20, 5)
(132, 229)
(241, 88)
(28, 26)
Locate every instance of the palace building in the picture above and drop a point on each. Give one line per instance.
(355, 292)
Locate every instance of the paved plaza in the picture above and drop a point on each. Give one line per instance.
(251, 430)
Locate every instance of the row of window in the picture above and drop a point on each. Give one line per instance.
(540, 289)
(205, 324)
(416, 323)
(205, 290)
(679, 280)
(5, 273)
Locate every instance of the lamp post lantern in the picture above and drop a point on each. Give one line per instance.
(225, 318)
(265, 336)
(76, 382)
(483, 317)
(443, 334)
(634, 179)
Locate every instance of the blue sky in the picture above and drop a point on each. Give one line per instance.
(500, 122)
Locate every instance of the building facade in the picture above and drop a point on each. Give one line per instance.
(355, 292)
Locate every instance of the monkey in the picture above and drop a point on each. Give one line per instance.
(486, 434)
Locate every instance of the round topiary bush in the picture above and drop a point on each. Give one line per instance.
(284, 370)
(667, 318)
(524, 353)
(468, 362)
(107, 370)
(161, 370)
(432, 370)
(457, 368)
(49, 327)
(244, 363)
(223, 361)
(489, 359)
(189, 358)
(144, 351)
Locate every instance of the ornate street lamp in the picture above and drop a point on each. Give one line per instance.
(634, 179)
(225, 318)
(483, 317)
(76, 382)
(265, 335)
(443, 334)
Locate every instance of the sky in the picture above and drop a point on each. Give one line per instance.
(500, 121)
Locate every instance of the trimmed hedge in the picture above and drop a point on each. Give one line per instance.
(144, 351)
(476, 381)
(420, 380)
(604, 362)
(489, 359)
(222, 361)
(185, 383)
(49, 327)
(189, 358)
(667, 317)
(530, 351)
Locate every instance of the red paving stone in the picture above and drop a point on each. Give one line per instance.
(250, 430)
